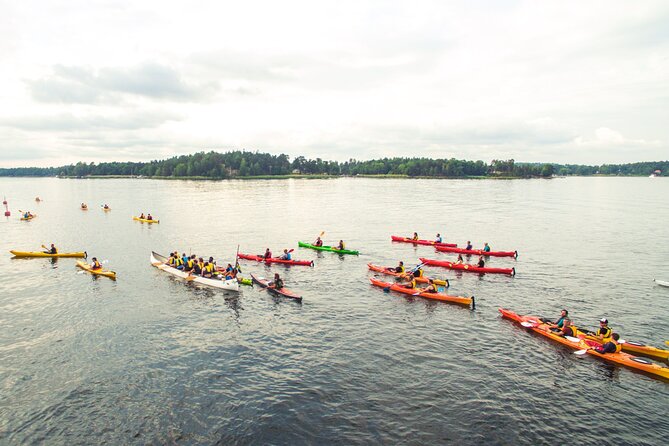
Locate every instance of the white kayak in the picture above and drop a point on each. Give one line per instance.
(160, 262)
(661, 282)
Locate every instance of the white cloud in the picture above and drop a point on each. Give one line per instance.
(516, 79)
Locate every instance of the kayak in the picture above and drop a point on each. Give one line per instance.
(396, 238)
(44, 254)
(637, 348)
(276, 260)
(106, 209)
(478, 252)
(622, 358)
(144, 220)
(29, 218)
(661, 282)
(84, 209)
(381, 269)
(327, 248)
(417, 292)
(467, 267)
(159, 262)
(285, 292)
(98, 272)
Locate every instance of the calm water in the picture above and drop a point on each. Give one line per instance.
(150, 360)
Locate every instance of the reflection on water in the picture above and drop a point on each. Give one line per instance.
(153, 359)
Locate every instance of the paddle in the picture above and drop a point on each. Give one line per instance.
(239, 270)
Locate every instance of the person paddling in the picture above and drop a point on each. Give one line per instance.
(563, 316)
(268, 254)
(612, 346)
(486, 247)
(51, 250)
(568, 329)
(197, 268)
(84, 206)
(398, 269)
(430, 288)
(96, 264)
(415, 236)
(460, 260)
(277, 283)
(318, 242)
(410, 282)
(142, 216)
(149, 217)
(603, 333)
(481, 262)
(438, 239)
(418, 271)
(341, 246)
(285, 255)
(469, 246)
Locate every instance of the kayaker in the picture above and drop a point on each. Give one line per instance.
(51, 250)
(398, 269)
(430, 288)
(171, 261)
(228, 268)
(106, 206)
(142, 216)
(486, 247)
(418, 272)
(438, 239)
(197, 268)
(567, 328)
(96, 264)
(611, 346)
(341, 246)
(211, 261)
(481, 262)
(268, 254)
(178, 261)
(318, 242)
(188, 265)
(469, 246)
(208, 270)
(460, 260)
(149, 217)
(415, 236)
(184, 259)
(84, 206)
(285, 255)
(277, 283)
(563, 315)
(603, 333)
(410, 282)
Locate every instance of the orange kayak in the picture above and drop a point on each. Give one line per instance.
(467, 301)
(382, 270)
(536, 325)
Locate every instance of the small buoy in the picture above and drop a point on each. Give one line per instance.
(7, 213)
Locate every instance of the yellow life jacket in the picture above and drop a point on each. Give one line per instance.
(574, 331)
(210, 268)
(171, 261)
(605, 332)
(190, 263)
(418, 273)
(401, 269)
(178, 261)
(96, 265)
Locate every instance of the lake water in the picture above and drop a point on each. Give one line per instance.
(152, 360)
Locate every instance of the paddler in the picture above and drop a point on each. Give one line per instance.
(430, 288)
(563, 316)
(211, 260)
(341, 246)
(277, 283)
(171, 261)
(189, 264)
(415, 236)
(318, 242)
(106, 206)
(486, 247)
(603, 333)
(51, 250)
(398, 269)
(149, 217)
(285, 255)
(208, 270)
(611, 346)
(418, 271)
(96, 264)
(568, 329)
(142, 216)
(84, 206)
(438, 239)
(410, 282)
(481, 262)
(460, 260)
(469, 246)
(197, 268)
(268, 254)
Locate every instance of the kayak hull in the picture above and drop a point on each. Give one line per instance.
(382, 270)
(397, 238)
(638, 348)
(622, 358)
(327, 248)
(284, 292)
(661, 282)
(158, 261)
(29, 218)
(43, 254)
(276, 260)
(97, 272)
(144, 220)
(467, 267)
(478, 252)
(467, 301)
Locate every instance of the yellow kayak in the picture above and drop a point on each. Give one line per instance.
(99, 272)
(29, 218)
(144, 220)
(44, 254)
(106, 209)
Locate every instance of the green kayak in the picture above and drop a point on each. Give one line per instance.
(327, 248)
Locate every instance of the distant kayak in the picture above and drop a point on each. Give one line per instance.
(44, 254)
(285, 292)
(478, 252)
(275, 260)
(98, 272)
(418, 292)
(106, 209)
(468, 268)
(144, 220)
(385, 270)
(327, 248)
(397, 238)
(28, 218)
(661, 282)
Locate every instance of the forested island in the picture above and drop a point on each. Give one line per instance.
(246, 164)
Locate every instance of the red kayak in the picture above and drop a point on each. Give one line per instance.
(478, 252)
(276, 260)
(419, 292)
(285, 292)
(467, 267)
(396, 238)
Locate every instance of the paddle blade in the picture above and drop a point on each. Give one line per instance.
(527, 324)
(581, 352)
(572, 339)
(386, 289)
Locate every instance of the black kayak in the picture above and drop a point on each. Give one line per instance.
(285, 292)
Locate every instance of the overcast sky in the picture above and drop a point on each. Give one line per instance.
(541, 81)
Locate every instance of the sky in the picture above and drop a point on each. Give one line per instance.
(584, 82)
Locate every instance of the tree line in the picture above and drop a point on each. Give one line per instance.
(240, 164)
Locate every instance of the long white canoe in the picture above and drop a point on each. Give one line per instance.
(160, 262)
(661, 282)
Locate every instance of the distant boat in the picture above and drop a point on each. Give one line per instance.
(655, 174)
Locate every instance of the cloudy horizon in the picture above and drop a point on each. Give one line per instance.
(563, 82)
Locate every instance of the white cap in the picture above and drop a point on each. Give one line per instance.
(604, 320)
